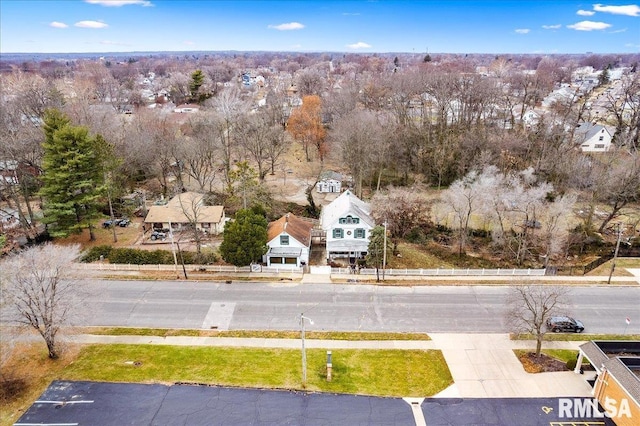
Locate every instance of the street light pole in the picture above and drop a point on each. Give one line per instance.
(615, 254)
(304, 353)
(384, 250)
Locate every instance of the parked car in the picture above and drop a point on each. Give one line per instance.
(158, 235)
(122, 222)
(107, 224)
(558, 324)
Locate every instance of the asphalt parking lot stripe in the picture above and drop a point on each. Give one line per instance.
(45, 424)
(416, 408)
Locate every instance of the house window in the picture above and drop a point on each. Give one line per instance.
(338, 233)
(599, 146)
(284, 240)
(360, 233)
(349, 220)
(601, 138)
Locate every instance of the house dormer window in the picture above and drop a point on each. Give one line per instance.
(284, 240)
(349, 220)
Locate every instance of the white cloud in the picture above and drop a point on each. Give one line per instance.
(188, 42)
(287, 27)
(90, 24)
(582, 12)
(589, 26)
(623, 30)
(56, 24)
(523, 30)
(552, 27)
(118, 3)
(359, 45)
(114, 43)
(629, 10)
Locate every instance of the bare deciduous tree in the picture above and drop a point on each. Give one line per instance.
(529, 306)
(358, 136)
(229, 107)
(37, 283)
(402, 208)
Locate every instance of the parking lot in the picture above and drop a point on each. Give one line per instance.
(93, 403)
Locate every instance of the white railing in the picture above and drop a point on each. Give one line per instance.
(443, 272)
(192, 268)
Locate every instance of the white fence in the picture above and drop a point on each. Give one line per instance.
(443, 272)
(189, 268)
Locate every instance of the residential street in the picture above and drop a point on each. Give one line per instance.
(335, 307)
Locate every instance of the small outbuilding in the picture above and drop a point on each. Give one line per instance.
(330, 181)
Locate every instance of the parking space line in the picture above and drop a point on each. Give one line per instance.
(46, 424)
(416, 409)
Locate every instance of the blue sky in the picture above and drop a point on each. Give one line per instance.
(543, 26)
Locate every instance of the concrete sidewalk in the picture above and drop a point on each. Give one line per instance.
(485, 366)
(482, 365)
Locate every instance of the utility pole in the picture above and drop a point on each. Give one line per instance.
(384, 250)
(615, 254)
(173, 248)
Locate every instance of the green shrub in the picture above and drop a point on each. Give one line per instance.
(95, 253)
(203, 258)
(146, 257)
(140, 257)
(571, 364)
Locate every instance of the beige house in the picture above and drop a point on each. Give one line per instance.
(185, 209)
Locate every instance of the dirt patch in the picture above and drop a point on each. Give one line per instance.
(540, 364)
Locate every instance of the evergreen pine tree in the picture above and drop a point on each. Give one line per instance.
(245, 238)
(72, 176)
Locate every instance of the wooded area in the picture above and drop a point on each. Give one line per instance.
(474, 144)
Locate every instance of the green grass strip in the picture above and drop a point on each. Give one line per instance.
(267, 334)
(576, 337)
(395, 373)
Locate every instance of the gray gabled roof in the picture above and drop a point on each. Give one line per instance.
(594, 354)
(346, 203)
(330, 174)
(586, 131)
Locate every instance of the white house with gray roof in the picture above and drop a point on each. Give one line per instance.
(593, 137)
(347, 222)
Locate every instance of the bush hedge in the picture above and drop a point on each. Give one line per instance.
(146, 257)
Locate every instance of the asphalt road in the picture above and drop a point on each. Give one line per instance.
(334, 307)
